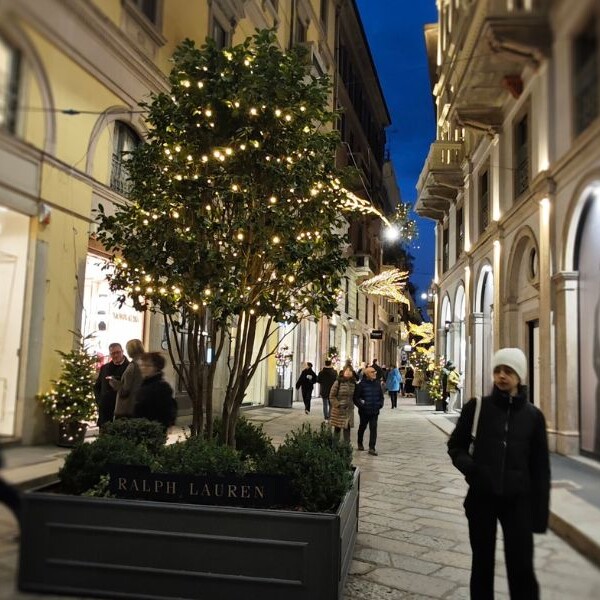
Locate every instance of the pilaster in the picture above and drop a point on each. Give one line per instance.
(567, 349)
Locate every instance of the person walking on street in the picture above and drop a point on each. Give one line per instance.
(409, 373)
(348, 364)
(305, 383)
(326, 378)
(392, 384)
(106, 395)
(342, 404)
(368, 397)
(378, 370)
(500, 445)
(129, 384)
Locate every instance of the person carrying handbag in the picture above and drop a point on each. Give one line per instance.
(503, 454)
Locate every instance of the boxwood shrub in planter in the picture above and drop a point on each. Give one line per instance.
(122, 548)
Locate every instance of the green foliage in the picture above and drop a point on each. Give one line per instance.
(87, 463)
(319, 466)
(236, 203)
(72, 395)
(140, 431)
(235, 198)
(101, 489)
(251, 441)
(196, 456)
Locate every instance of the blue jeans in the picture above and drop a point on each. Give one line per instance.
(371, 421)
(326, 408)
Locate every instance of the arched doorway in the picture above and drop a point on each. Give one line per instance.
(446, 328)
(520, 309)
(483, 342)
(587, 250)
(460, 338)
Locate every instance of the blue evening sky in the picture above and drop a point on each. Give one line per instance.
(394, 30)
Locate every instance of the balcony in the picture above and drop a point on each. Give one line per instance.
(502, 39)
(440, 179)
(364, 266)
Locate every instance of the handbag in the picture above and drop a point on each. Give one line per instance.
(475, 424)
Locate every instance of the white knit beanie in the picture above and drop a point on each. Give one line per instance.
(513, 358)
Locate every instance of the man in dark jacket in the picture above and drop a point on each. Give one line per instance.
(379, 373)
(508, 471)
(326, 378)
(106, 395)
(306, 382)
(368, 397)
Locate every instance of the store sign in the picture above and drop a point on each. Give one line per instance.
(377, 334)
(254, 490)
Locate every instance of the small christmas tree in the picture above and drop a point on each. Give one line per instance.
(72, 399)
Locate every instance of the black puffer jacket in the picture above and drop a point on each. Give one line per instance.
(511, 451)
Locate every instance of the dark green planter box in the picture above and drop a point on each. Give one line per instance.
(110, 548)
(423, 398)
(281, 398)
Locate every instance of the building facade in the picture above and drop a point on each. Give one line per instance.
(71, 75)
(512, 182)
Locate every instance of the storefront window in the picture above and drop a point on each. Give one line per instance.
(14, 239)
(102, 316)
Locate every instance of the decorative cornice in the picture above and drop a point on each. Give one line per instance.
(97, 45)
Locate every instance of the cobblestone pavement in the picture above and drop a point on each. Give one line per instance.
(412, 541)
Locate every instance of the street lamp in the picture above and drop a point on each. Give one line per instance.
(391, 233)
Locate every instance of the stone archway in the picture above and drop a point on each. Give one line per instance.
(460, 338)
(586, 251)
(482, 339)
(521, 305)
(445, 325)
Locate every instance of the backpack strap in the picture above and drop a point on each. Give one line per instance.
(475, 424)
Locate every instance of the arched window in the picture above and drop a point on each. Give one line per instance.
(125, 140)
(10, 61)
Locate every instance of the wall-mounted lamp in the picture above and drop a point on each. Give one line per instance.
(44, 214)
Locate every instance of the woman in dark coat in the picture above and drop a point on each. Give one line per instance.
(154, 400)
(507, 467)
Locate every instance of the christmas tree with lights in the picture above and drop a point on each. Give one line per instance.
(234, 223)
(71, 399)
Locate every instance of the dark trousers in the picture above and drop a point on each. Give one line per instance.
(106, 410)
(483, 512)
(306, 396)
(394, 399)
(371, 421)
(10, 497)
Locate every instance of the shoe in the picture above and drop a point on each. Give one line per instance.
(360, 447)
(373, 452)
(306, 411)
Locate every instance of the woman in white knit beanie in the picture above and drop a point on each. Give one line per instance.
(507, 467)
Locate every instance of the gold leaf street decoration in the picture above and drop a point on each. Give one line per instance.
(389, 284)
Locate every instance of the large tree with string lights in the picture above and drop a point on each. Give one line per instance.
(234, 222)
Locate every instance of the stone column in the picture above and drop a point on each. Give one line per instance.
(567, 350)
(477, 354)
(547, 403)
